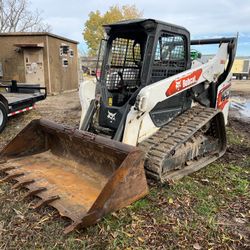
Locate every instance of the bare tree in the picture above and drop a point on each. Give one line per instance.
(15, 16)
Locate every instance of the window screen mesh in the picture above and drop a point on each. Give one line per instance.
(124, 70)
(169, 58)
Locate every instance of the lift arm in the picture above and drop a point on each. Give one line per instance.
(212, 71)
(139, 125)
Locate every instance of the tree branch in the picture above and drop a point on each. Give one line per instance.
(16, 17)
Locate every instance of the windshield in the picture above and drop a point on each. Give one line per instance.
(122, 72)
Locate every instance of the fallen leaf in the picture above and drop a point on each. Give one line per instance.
(140, 239)
(196, 246)
(129, 235)
(1, 227)
(170, 201)
(205, 180)
(43, 220)
(114, 235)
(239, 220)
(17, 212)
(115, 215)
(154, 221)
(19, 217)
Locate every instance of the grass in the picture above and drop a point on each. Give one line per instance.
(233, 137)
(209, 209)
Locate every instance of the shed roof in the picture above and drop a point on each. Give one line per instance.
(38, 34)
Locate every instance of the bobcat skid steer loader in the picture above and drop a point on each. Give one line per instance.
(153, 112)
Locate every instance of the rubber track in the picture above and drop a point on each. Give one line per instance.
(163, 143)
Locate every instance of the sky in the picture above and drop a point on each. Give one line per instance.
(204, 19)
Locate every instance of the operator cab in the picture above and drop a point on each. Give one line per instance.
(137, 53)
(130, 44)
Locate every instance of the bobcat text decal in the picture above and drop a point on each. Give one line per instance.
(184, 82)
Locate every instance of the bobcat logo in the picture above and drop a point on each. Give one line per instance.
(178, 85)
(111, 116)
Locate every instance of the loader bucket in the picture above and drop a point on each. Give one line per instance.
(83, 176)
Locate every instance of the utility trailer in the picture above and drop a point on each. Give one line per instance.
(16, 98)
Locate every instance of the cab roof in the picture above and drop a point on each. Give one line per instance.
(146, 24)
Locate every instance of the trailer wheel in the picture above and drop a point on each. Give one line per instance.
(3, 117)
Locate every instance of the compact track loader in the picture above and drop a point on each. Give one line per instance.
(153, 112)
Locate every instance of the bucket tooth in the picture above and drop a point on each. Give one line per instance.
(5, 169)
(12, 176)
(35, 192)
(23, 183)
(3, 161)
(72, 227)
(46, 201)
(87, 220)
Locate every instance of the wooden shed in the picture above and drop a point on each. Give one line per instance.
(39, 58)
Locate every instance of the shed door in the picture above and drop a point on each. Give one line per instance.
(34, 65)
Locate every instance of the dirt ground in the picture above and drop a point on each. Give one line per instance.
(241, 86)
(64, 109)
(207, 210)
(240, 101)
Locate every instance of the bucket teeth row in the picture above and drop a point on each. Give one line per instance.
(34, 190)
(45, 194)
(24, 182)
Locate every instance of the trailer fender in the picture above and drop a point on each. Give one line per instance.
(3, 116)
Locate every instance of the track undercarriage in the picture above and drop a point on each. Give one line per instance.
(191, 141)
